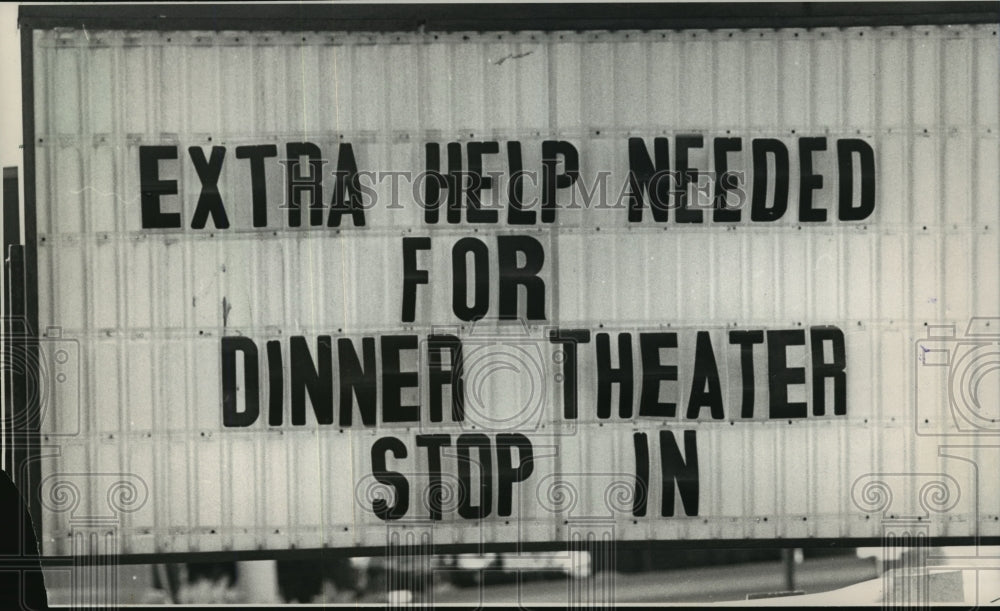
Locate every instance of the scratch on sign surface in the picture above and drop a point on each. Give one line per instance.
(512, 56)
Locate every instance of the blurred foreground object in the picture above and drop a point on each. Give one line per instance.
(21, 582)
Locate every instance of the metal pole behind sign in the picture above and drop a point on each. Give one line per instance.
(788, 559)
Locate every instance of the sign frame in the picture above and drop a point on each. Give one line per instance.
(24, 441)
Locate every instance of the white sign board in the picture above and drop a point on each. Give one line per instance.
(302, 289)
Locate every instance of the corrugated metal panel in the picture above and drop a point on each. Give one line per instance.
(144, 310)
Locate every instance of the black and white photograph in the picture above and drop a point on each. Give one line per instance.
(519, 305)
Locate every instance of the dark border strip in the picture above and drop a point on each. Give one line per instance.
(496, 547)
(14, 344)
(501, 17)
(30, 466)
(11, 237)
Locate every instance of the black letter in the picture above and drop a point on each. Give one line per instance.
(412, 276)
(511, 276)
(231, 417)
(394, 380)
(258, 185)
(746, 340)
(507, 474)
(684, 471)
(357, 380)
(434, 443)
(456, 185)
(210, 201)
(705, 372)
(390, 478)
(346, 181)
(475, 213)
(460, 291)
(516, 215)
(725, 180)
(299, 184)
(438, 375)
(643, 175)
(685, 176)
(780, 375)
(607, 375)
(653, 372)
(758, 207)
(152, 188)
(834, 369)
(317, 380)
(845, 166)
(641, 474)
(433, 181)
(809, 181)
(551, 180)
(465, 508)
(275, 374)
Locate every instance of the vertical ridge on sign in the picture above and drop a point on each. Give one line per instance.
(795, 61)
(570, 71)
(467, 88)
(498, 78)
(894, 80)
(169, 120)
(597, 63)
(758, 300)
(314, 75)
(532, 86)
(696, 63)
(185, 408)
(943, 199)
(304, 477)
(294, 122)
(222, 523)
(861, 86)
(728, 81)
(48, 166)
(630, 96)
(153, 441)
(848, 264)
(648, 261)
(119, 288)
(821, 89)
(862, 280)
(987, 295)
(571, 272)
(437, 108)
(660, 68)
(957, 85)
(874, 404)
(795, 267)
(134, 58)
(779, 310)
(987, 80)
(380, 95)
(326, 74)
(403, 93)
(343, 64)
(762, 82)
